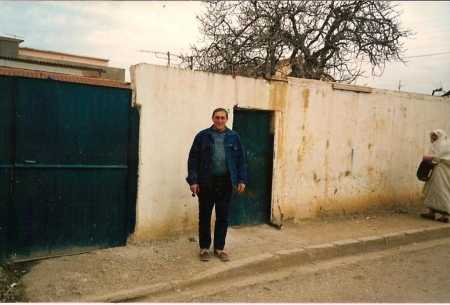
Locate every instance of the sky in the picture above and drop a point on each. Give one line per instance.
(120, 30)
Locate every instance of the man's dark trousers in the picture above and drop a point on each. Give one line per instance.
(216, 193)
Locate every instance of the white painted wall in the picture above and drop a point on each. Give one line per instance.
(175, 105)
(356, 150)
(335, 150)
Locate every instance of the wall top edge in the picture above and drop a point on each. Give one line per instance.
(353, 88)
(299, 81)
(174, 69)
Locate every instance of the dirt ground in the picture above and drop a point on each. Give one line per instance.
(6, 285)
(71, 278)
(11, 286)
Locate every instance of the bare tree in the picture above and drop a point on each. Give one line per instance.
(319, 39)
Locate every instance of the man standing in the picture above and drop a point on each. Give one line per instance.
(216, 165)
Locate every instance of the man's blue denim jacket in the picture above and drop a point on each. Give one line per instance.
(200, 158)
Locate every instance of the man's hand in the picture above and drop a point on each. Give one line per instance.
(195, 188)
(240, 188)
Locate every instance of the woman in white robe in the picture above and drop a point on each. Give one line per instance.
(437, 189)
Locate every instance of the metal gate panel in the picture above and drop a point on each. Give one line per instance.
(68, 211)
(6, 158)
(71, 168)
(68, 124)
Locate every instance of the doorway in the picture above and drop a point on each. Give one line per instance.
(255, 128)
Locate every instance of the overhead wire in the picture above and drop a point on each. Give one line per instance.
(427, 55)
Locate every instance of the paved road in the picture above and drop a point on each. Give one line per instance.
(422, 275)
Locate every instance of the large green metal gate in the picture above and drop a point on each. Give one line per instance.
(67, 167)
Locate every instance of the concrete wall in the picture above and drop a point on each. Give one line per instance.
(335, 151)
(42, 67)
(57, 56)
(348, 151)
(111, 73)
(8, 47)
(114, 74)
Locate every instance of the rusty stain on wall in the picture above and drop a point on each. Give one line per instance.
(305, 99)
(277, 101)
(302, 149)
(304, 143)
(277, 95)
(316, 178)
(352, 157)
(326, 178)
(404, 111)
(363, 202)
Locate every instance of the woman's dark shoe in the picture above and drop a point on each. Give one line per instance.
(429, 215)
(443, 219)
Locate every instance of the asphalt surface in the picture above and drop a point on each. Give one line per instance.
(420, 275)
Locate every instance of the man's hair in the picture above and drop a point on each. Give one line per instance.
(220, 110)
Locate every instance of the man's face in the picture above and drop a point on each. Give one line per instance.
(220, 120)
